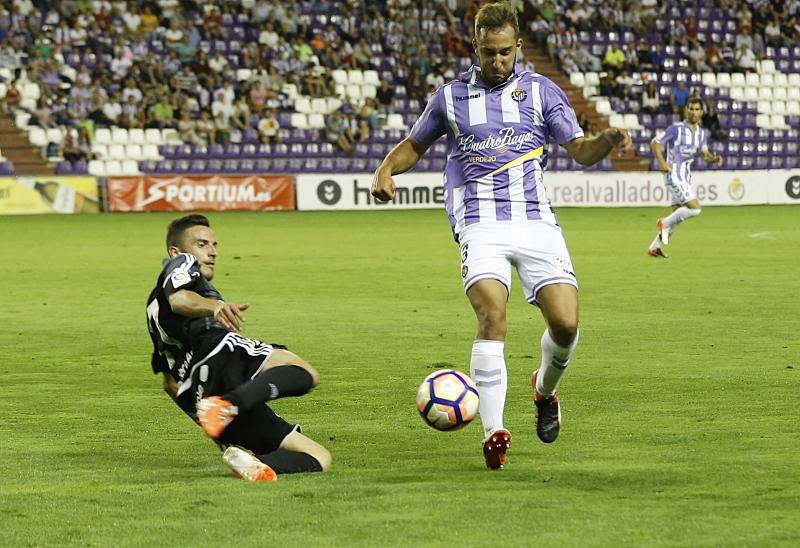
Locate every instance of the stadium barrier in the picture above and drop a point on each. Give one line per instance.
(48, 194)
(198, 193)
(566, 189)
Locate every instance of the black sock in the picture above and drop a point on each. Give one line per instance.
(290, 462)
(276, 382)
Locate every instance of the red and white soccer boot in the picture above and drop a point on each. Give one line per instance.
(663, 231)
(214, 414)
(495, 447)
(247, 466)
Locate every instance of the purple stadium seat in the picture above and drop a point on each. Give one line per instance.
(280, 165)
(6, 168)
(215, 151)
(326, 164)
(247, 165)
(746, 162)
(195, 166)
(80, 167)
(762, 162)
(233, 149)
(147, 166)
(64, 168)
(164, 166)
(776, 162)
(263, 165)
(250, 136)
(231, 165)
(215, 165)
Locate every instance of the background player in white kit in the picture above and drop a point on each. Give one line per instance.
(498, 120)
(684, 141)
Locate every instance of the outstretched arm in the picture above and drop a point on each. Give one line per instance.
(662, 163)
(401, 158)
(590, 151)
(193, 305)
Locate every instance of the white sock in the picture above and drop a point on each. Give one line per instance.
(656, 242)
(678, 216)
(555, 360)
(487, 367)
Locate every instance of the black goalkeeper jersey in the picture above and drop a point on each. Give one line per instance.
(180, 340)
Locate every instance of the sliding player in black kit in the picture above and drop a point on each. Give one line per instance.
(218, 377)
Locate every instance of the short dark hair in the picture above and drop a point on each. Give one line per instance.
(177, 227)
(496, 16)
(697, 100)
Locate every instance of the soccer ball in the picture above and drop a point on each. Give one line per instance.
(447, 399)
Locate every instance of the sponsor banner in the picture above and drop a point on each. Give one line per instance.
(213, 193)
(48, 194)
(632, 189)
(352, 191)
(565, 189)
(784, 187)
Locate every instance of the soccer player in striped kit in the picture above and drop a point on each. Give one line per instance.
(683, 141)
(498, 120)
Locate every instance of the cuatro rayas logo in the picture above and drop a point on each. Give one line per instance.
(793, 187)
(329, 192)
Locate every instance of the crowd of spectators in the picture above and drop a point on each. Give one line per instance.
(175, 64)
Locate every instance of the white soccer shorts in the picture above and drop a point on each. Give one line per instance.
(537, 249)
(681, 189)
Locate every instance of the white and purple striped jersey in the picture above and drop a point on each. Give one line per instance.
(497, 145)
(682, 146)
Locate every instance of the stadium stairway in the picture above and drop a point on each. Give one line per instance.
(16, 148)
(628, 162)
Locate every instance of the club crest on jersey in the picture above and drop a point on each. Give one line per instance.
(519, 95)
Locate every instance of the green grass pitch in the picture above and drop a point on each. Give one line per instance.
(680, 407)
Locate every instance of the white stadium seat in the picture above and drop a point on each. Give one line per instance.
(767, 66)
(371, 77)
(779, 94)
(793, 108)
(709, 79)
(750, 94)
(130, 167)
(793, 80)
(779, 107)
(102, 136)
(136, 136)
(316, 121)
(37, 136)
(779, 80)
(97, 168)
(603, 107)
(368, 91)
(591, 78)
(290, 90)
(738, 94)
(752, 79)
(243, 74)
(31, 91)
(332, 103)
(724, 80)
(777, 121)
(577, 79)
(28, 104)
(353, 92)
(55, 135)
(299, 120)
(116, 152)
(339, 76)
(632, 122)
(395, 121)
(150, 152)
(133, 152)
(319, 105)
(738, 79)
(171, 136)
(152, 136)
(764, 107)
(767, 80)
(765, 94)
(355, 77)
(119, 136)
(302, 104)
(616, 120)
(113, 167)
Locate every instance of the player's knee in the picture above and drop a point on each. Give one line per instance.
(324, 458)
(695, 212)
(564, 331)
